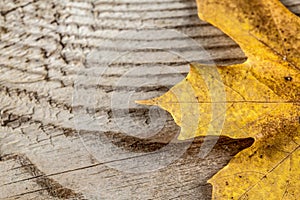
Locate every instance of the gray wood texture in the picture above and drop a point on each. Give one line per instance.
(70, 71)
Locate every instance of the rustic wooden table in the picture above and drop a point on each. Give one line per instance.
(70, 72)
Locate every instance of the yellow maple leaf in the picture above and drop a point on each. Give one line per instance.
(262, 99)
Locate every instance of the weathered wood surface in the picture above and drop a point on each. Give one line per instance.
(59, 115)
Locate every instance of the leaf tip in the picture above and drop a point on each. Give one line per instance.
(193, 66)
(148, 102)
(181, 137)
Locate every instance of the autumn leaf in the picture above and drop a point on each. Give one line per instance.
(262, 99)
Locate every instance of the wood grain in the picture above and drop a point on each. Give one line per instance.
(66, 69)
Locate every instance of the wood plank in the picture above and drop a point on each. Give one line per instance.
(69, 74)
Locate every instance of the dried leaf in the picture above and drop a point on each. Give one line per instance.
(262, 99)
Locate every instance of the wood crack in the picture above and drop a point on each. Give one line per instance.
(53, 188)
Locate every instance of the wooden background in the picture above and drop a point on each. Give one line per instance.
(55, 108)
